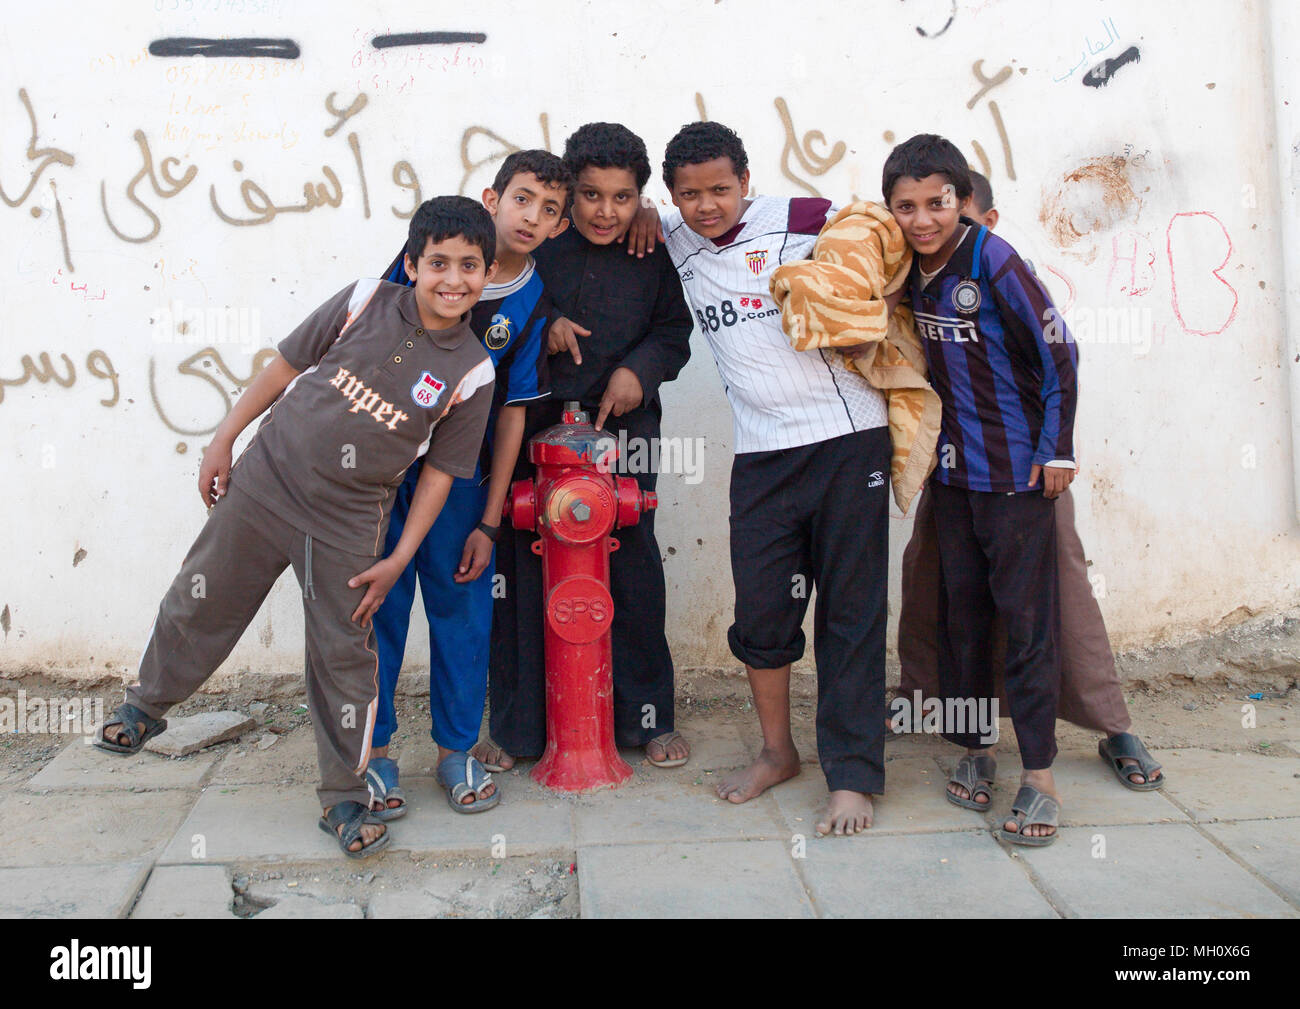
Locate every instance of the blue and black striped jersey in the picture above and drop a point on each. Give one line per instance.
(1002, 362)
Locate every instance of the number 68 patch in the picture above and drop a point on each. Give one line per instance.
(426, 391)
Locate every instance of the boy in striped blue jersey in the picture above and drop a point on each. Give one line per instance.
(1004, 366)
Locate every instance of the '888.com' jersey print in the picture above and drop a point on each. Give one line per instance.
(780, 397)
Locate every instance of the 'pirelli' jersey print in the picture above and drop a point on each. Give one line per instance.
(375, 391)
(780, 397)
(1003, 364)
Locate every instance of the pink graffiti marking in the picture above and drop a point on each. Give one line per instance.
(1140, 256)
(1069, 288)
(1216, 273)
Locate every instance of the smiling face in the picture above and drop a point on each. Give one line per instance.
(527, 213)
(604, 202)
(710, 196)
(449, 279)
(927, 210)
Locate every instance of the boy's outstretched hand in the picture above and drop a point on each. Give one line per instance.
(381, 577)
(474, 558)
(623, 393)
(563, 335)
(644, 231)
(1056, 479)
(214, 472)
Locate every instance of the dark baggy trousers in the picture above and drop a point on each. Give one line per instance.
(818, 515)
(997, 553)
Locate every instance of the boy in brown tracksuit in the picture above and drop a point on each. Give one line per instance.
(376, 377)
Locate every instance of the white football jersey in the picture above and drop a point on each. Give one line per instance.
(780, 397)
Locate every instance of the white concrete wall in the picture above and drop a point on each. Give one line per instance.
(1158, 194)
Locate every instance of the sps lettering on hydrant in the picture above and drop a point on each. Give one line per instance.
(575, 503)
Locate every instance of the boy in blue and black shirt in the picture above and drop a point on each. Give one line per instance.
(1004, 366)
(529, 202)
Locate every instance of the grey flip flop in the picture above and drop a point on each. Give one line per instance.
(1032, 808)
(1126, 745)
(975, 774)
(462, 775)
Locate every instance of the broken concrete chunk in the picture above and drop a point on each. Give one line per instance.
(197, 732)
(258, 710)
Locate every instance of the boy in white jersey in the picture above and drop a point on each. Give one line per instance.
(809, 483)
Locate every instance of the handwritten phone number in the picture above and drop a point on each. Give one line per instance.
(274, 7)
(231, 70)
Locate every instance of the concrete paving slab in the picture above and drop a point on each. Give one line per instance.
(270, 822)
(673, 811)
(729, 879)
(83, 766)
(72, 891)
(913, 800)
(292, 759)
(186, 891)
(1090, 793)
(1270, 847)
(198, 732)
(919, 876)
(525, 825)
(714, 747)
(1232, 786)
(69, 829)
(1164, 870)
(252, 823)
(297, 908)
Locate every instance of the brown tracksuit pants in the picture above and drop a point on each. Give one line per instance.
(1091, 696)
(241, 551)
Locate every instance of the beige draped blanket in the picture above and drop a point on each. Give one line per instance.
(837, 300)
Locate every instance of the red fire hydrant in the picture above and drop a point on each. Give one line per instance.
(574, 502)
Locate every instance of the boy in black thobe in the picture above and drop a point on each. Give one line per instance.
(634, 334)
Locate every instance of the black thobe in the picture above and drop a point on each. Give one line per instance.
(638, 319)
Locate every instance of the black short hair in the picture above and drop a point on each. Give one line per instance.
(549, 169)
(607, 145)
(924, 155)
(446, 217)
(982, 190)
(696, 143)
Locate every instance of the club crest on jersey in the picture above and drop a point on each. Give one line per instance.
(426, 391)
(498, 334)
(757, 259)
(966, 296)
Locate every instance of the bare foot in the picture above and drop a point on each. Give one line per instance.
(490, 755)
(771, 768)
(846, 813)
(370, 832)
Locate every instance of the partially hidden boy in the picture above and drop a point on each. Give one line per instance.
(1091, 696)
